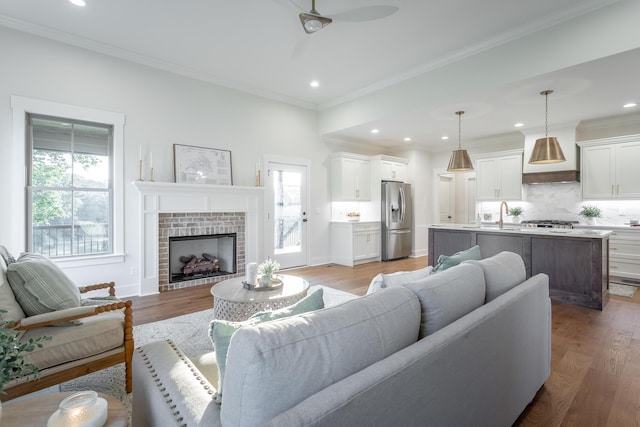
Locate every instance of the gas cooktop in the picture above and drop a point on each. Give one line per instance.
(547, 223)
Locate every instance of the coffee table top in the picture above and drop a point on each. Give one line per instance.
(233, 290)
(35, 411)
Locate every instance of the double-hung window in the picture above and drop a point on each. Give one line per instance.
(70, 187)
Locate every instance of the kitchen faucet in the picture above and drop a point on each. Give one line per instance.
(506, 210)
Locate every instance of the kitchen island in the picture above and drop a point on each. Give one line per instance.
(576, 260)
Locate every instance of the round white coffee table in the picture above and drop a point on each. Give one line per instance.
(231, 301)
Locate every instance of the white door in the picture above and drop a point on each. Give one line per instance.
(287, 218)
(446, 199)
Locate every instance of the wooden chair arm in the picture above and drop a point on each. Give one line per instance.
(110, 285)
(126, 305)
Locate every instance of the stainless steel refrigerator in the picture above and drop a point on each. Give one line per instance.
(396, 218)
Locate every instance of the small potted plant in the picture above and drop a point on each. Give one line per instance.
(590, 213)
(266, 270)
(515, 213)
(12, 351)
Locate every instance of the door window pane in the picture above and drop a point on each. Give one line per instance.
(288, 211)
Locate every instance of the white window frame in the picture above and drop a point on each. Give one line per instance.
(21, 106)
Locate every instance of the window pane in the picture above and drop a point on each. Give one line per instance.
(51, 168)
(90, 171)
(92, 222)
(288, 211)
(51, 212)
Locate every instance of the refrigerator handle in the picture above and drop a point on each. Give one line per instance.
(403, 204)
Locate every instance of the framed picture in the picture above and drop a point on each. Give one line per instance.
(201, 165)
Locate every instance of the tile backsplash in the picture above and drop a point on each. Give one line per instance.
(563, 201)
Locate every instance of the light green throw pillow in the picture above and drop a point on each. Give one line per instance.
(445, 261)
(221, 331)
(40, 286)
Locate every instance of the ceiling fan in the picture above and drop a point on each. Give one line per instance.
(313, 21)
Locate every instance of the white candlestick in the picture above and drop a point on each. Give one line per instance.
(140, 152)
(150, 160)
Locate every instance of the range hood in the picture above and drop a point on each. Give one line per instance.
(568, 171)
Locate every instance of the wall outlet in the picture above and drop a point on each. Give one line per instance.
(134, 271)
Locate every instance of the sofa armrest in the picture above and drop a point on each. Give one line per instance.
(69, 314)
(110, 285)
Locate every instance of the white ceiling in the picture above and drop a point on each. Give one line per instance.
(259, 46)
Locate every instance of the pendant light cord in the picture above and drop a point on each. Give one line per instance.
(546, 115)
(459, 113)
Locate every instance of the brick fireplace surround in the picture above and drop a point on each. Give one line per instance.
(197, 224)
(167, 208)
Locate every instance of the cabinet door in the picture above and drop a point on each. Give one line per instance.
(362, 180)
(487, 179)
(393, 171)
(510, 178)
(628, 170)
(350, 179)
(598, 172)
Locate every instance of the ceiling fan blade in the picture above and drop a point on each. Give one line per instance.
(366, 13)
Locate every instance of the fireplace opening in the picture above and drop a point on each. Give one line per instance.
(197, 257)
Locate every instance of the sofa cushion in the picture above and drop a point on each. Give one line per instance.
(502, 272)
(221, 331)
(95, 335)
(11, 310)
(447, 296)
(40, 286)
(273, 366)
(382, 281)
(446, 261)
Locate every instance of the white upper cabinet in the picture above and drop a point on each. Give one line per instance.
(389, 168)
(499, 177)
(610, 168)
(350, 177)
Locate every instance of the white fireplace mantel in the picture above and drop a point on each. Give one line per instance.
(169, 197)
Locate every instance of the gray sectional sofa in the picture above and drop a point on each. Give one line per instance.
(468, 346)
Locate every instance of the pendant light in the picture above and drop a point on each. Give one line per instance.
(460, 160)
(547, 149)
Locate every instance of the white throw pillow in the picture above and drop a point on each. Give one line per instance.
(502, 272)
(399, 278)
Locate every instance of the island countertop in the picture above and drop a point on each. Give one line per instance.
(516, 229)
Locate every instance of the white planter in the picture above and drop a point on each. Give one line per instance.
(515, 219)
(591, 221)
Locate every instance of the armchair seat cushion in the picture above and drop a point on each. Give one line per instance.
(96, 334)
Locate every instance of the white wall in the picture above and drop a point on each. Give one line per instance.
(160, 109)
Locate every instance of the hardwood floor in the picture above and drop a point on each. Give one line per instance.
(595, 361)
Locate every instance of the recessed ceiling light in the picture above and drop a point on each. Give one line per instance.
(630, 105)
(445, 137)
(374, 131)
(78, 2)
(519, 125)
(314, 83)
(407, 139)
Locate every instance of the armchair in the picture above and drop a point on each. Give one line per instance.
(96, 335)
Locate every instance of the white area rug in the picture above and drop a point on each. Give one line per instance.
(190, 332)
(622, 290)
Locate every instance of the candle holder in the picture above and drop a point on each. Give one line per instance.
(140, 170)
(151, 174)
(80, 409)
(258, 179)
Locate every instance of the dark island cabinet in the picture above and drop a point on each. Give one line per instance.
(577, 264)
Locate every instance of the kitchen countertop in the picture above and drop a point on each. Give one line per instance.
(589, 233)
(609, 227)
